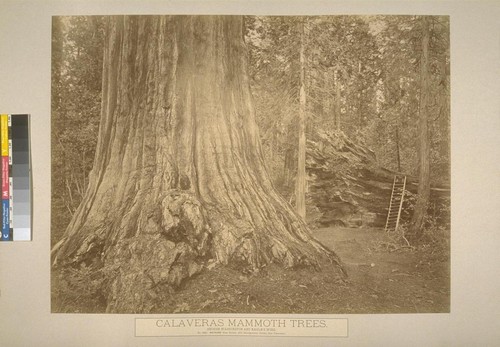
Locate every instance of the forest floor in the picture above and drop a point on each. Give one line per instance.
(382, 278)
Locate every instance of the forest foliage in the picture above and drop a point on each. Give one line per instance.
(361, 77)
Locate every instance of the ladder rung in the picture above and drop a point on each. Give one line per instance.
(396, 202)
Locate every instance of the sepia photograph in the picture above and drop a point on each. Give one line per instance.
(250, 164)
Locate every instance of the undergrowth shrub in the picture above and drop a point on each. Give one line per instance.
(79, 289)
(436, 235)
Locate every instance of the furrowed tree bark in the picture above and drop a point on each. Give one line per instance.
(179, 178)
(418, 220)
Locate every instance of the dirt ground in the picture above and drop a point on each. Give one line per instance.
(382, 278)
(388, 279)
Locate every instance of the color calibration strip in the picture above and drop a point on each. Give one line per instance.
(16, 177)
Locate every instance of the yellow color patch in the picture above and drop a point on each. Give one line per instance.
(4, 126)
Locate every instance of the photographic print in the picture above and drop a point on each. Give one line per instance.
(250, 164)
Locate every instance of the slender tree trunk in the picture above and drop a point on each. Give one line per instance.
(300, 196)
(418, 219)
(178, 177)
(398, 157)
(290, 165)
(360, 113)
(286, 173)
(326, 117)
(337, 100)
(360, 98)
(57, 61)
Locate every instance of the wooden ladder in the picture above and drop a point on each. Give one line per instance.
(397, 196)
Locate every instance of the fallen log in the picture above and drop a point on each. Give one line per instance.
(347, 187)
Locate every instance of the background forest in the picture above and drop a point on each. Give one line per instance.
(362, 84)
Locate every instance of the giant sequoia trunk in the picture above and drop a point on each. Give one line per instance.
(178, 177)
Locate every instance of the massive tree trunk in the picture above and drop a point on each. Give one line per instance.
(300, 192)
(178, 177)
(418, 219)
